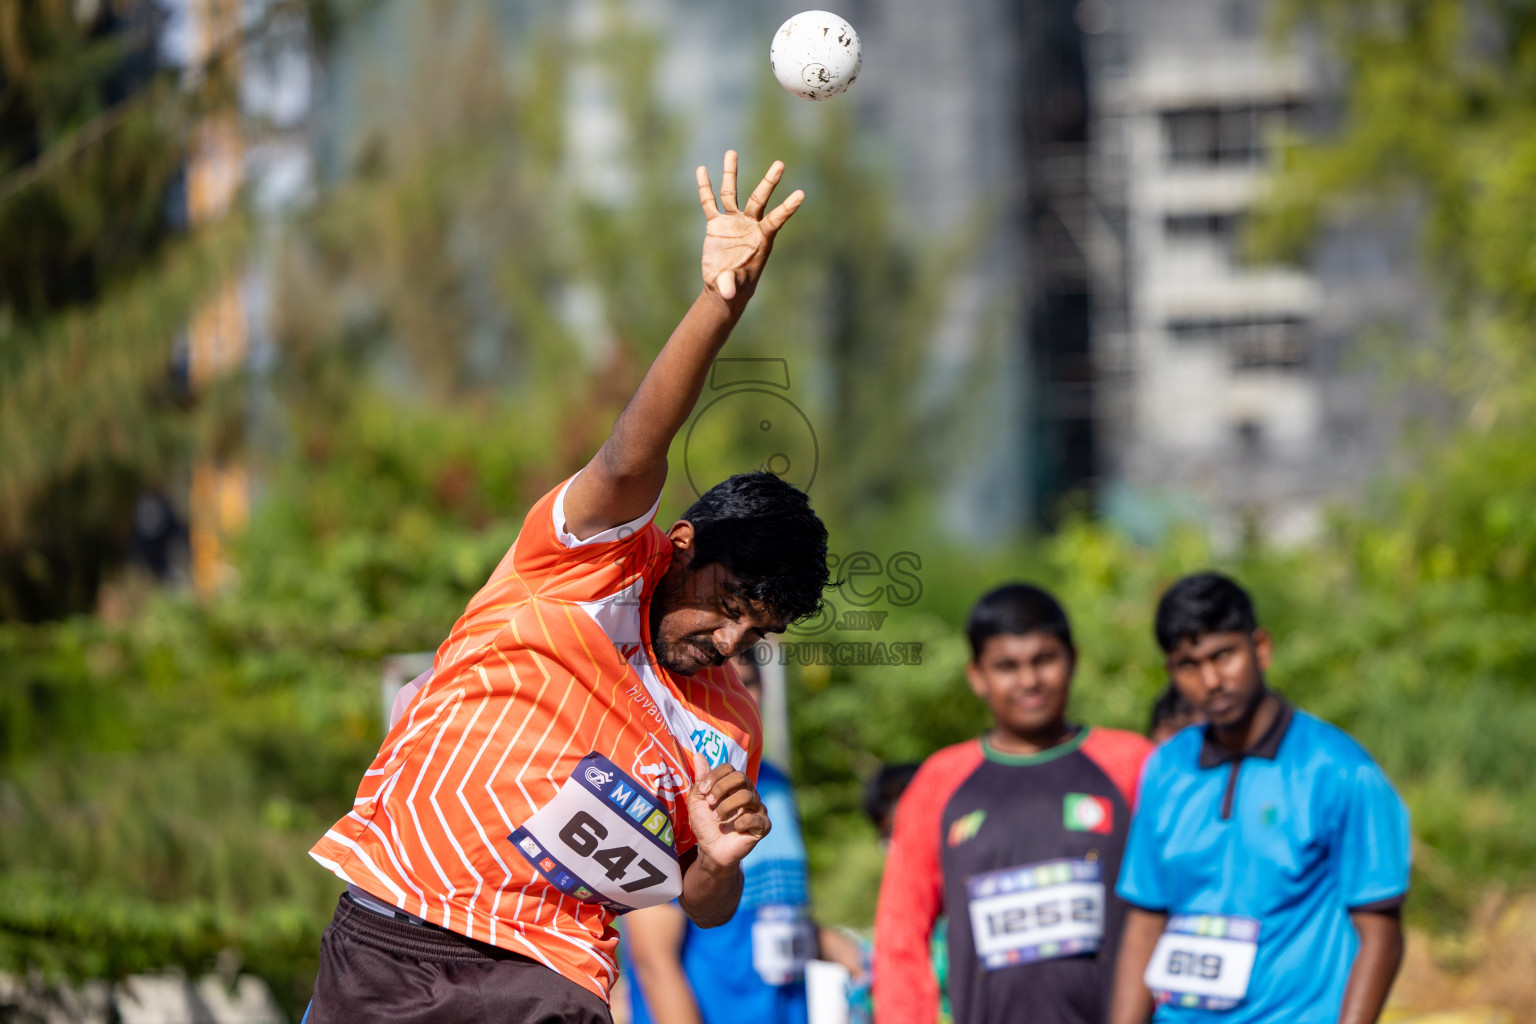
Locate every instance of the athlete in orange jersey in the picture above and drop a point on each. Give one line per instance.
(580, 748)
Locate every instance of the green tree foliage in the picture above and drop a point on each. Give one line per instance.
(459, 319)
(86, 149)
(1440, 111)
(90, 142)
(99, 277)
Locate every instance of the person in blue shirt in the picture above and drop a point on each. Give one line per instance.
(1268, 859)
(752, 968)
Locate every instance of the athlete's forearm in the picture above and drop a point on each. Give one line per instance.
(1131, 1003)
(637, 445)
(833, 945)
(711, 891)
(1370, 979)
(666, 991)
(625, 477)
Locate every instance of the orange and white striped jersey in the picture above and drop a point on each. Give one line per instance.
(535, 787)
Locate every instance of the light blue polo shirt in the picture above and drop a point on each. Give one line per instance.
(1293, 834)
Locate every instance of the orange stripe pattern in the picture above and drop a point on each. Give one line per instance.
(549, 662)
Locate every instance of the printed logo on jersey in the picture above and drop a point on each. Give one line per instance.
(966, 827)
(1083, 812)
(711, 744)
(657, 769)
(716, 747)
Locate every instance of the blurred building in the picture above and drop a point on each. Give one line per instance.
(973, 109)
(249, 147)
(943, 104)
(1101, 157)
(1095, 160)
(1228, 392)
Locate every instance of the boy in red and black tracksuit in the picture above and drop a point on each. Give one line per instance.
(1016, 837)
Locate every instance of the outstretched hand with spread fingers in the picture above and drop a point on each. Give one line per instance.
(737, 241)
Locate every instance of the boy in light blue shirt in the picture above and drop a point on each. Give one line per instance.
(1268, 859)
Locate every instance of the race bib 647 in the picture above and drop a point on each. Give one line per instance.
(604, 838)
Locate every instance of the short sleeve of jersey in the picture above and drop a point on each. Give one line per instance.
(554, 563)
(1141, 869)
(1120, 755)
(1372, 844)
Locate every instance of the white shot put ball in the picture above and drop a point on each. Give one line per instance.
(815, 55)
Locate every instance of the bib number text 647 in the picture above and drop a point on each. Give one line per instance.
(584, 833)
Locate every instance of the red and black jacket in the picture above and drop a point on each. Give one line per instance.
(971, 810)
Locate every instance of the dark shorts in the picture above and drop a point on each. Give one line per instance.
(376, 968)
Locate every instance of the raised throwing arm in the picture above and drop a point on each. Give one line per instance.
(625, 477)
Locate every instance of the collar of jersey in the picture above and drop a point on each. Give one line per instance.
(1267, 746)
(1050, 754)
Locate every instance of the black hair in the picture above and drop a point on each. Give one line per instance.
(885, 789)
(1170, 705)
(762, 529)
(1014, 610)
(1206, 602)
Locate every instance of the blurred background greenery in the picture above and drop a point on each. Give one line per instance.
(166, 757)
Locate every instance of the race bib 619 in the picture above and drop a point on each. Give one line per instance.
(1203, 961)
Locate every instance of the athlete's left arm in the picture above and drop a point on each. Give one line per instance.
(728, 819)
(1381, 951)
(625, 477)
(1130, 1002)
(834, 945)
(655, 936)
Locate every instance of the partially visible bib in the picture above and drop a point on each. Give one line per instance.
(1203, 961)
(783, 940)
(1036, 912)
(604, 838)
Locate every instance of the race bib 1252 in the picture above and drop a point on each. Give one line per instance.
(1203, 961)
(1036, 912)
(604, 838)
